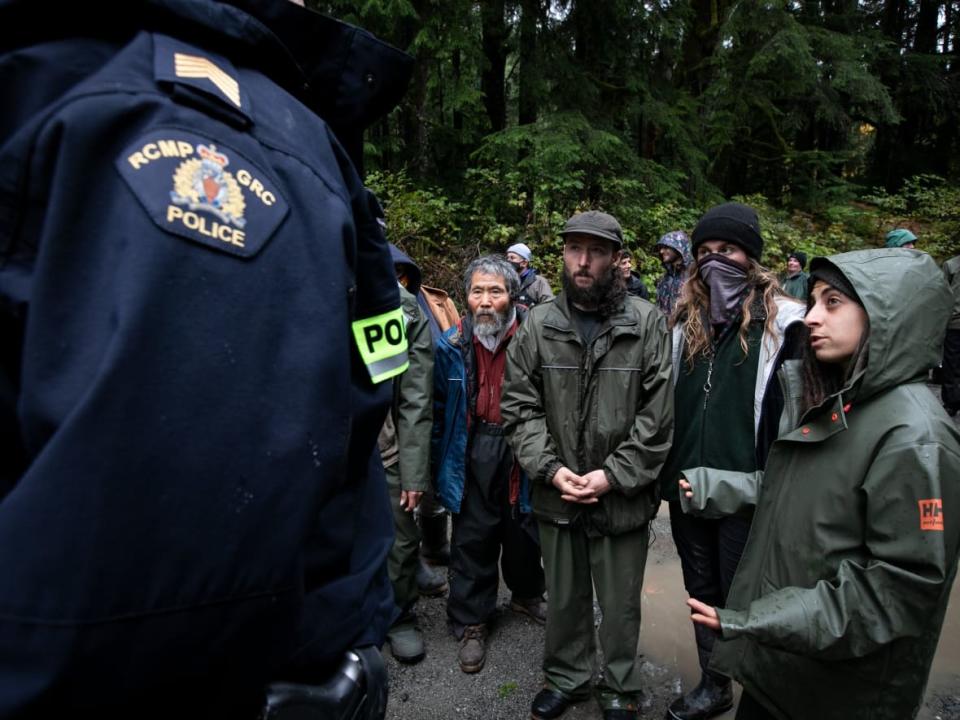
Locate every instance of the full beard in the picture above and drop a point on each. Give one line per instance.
(492, 325)
(606, 295)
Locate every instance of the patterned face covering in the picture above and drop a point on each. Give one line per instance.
(727, 281)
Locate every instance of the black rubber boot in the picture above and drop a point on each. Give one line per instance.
(435, 542)
(713, 696)
(430, 582)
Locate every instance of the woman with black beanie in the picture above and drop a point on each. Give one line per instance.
(733, 328)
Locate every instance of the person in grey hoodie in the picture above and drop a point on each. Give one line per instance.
(674, 249)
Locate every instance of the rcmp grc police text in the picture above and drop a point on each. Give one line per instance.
(191, 220)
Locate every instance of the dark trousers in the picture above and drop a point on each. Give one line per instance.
(950, 390)
(709, 552)
(750, 709)
(487, 530)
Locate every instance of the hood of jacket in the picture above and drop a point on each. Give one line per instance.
(412, 270)
(678, 241)
(341, 72)
(908, 304)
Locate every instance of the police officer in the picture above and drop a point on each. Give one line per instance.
(193, 367)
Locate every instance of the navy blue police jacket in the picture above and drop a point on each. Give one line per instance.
(193, 297)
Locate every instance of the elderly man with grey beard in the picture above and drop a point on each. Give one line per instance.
(478, 478)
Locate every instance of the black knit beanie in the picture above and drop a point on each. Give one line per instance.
(823, 269)
(800, 257)
(733, 222)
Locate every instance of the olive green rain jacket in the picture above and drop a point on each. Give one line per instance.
(840, 595)
(608, 405)
(951, 271)
(405, 435)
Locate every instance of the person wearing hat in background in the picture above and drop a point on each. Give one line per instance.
(534, 288)
(734, 328)
(901, 238)
(587, 408)
(674, 250)
(794, 281)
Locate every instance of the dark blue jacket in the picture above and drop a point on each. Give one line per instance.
(190, 503)
(454, 395)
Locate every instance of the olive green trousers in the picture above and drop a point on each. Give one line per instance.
(575, 564)
(405, 551)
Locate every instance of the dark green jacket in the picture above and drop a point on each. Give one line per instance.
(405, 436)
(841, 592)
(608, 405)
(796, 286)
(951, 271)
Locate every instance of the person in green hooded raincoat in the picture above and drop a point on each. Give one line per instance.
(839, 598)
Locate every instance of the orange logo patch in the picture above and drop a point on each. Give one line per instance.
(931, 514)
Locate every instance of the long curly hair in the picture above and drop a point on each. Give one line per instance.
(694, 304)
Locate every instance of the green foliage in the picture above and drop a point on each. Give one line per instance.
(927, 205)
(444, 234)
(506, 690)
(654, 111)
(788, 98)
(421, 220)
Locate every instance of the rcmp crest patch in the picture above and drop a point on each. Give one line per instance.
(204, 191)
(203, 183)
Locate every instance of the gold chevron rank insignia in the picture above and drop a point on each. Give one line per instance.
(196, 67)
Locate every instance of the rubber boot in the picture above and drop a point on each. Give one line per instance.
(406, 641)
(713, 696)
(430, 582)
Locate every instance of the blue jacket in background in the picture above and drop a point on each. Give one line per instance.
(454, 391)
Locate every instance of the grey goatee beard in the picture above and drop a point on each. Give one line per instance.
(489, 328)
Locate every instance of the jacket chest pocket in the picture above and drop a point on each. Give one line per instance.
(561, 383)
(615, 399)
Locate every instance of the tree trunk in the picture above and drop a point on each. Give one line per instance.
(926, 37)
(530, 14)
(494, 33)
(701, 42)
(893, 20)
(457, 79)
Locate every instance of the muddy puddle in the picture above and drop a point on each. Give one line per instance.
(667, 637)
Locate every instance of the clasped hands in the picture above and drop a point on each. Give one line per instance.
(581, 489)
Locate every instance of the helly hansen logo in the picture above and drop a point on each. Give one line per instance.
(931, 514)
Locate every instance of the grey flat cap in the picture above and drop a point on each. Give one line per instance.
(594, 222)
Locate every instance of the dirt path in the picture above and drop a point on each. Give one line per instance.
(435, 689)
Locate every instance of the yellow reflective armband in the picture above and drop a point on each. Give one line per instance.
(382, 342)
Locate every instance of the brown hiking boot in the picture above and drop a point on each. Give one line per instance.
(473, 648)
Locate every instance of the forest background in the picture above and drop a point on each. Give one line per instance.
(836, 119)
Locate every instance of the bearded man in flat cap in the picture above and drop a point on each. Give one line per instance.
(587, 405)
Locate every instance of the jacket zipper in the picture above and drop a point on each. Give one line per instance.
(708, 385)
